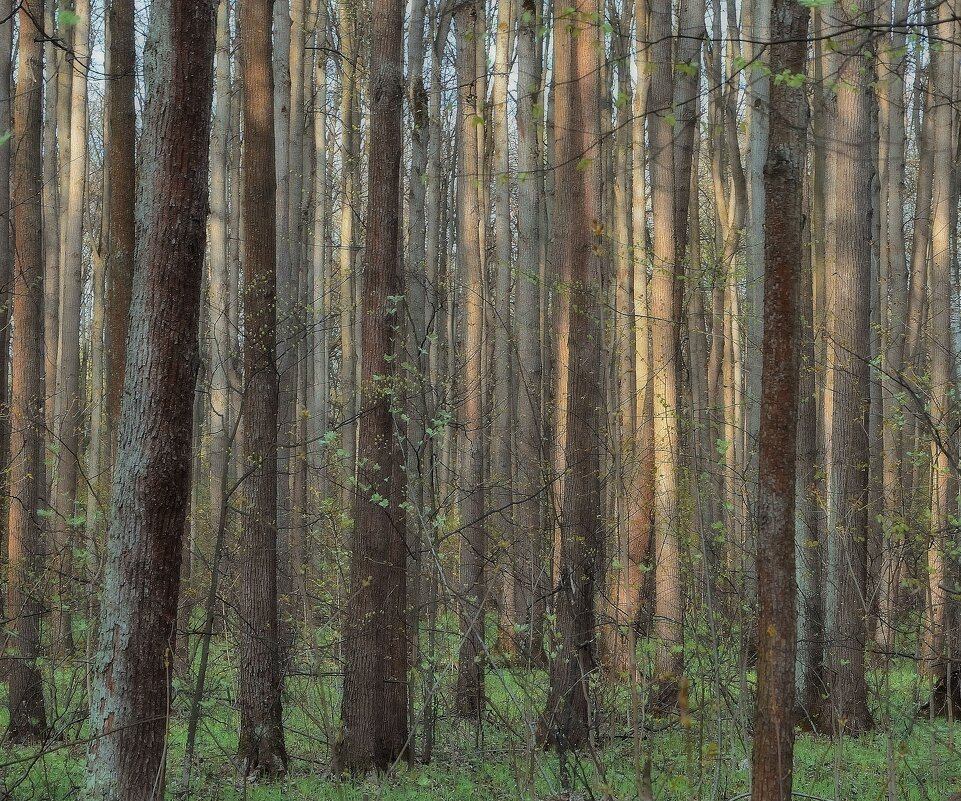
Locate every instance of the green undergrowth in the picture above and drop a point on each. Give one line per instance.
(705, 758)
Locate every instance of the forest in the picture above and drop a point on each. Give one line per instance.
(551, 400)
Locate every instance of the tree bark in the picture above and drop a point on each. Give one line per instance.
(375, 700)
(262, 749)
(121, 164)
(772, 759)
(529, 369)
(848, 237)
(567, 717)
(664, 351)
(25, 563)
(69, 415)
(936, 650)
(473, 548)
(131, 698)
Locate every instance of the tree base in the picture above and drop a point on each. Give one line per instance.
(945, 699)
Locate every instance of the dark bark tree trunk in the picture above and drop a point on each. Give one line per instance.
(567, 717)
(262, 749)
(375, 700)
(784, 250)
(25, 587)
(131, 697)
(121, 165)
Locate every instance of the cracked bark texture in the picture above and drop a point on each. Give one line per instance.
(132, 686)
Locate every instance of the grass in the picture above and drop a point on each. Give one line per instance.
(706, 759)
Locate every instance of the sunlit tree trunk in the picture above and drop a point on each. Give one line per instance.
(69, 414)
(220, 413)
(664, 351)
(321, 301)
(567, 716)
(935, 649)
(473, 549)
(502, 321)
(344, 281)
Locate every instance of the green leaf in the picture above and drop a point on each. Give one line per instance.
(66, 18)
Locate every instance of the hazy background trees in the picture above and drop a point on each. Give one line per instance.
(545, 350)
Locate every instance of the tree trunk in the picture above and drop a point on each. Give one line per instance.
(772, 760)
(6, 291)
(131, 699)
(375, 700)
(349, 157)
(218, 294)
(848, 237)
(261, 749)
(502, 457)
(121, 164)
(69, 399)
(665, 347)
(25, 564)
(529, 369)
(567, 717)
(473, 549)
(936, 651)
(893, 289)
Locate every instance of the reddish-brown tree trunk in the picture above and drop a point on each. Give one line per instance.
(374, 708)
(783, 251)
(567, 719)
(121, 165)
(262, 749)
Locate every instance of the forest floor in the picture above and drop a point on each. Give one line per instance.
(706, 758)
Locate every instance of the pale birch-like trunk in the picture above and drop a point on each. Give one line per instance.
(502, 423)
(893, 292)
(345, 280)
(69, 415)
(935, 648)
